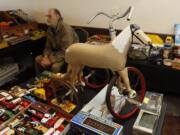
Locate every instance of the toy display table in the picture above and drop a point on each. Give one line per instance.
(159, 78)
(20, 116)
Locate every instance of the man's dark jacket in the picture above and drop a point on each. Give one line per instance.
(58, 40)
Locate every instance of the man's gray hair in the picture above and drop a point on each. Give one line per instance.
(57, 12)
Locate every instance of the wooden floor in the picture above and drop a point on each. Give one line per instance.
(171, 125)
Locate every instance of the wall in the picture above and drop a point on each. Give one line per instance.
(152, 15)
(26, 5)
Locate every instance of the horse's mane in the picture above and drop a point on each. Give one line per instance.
(122, 39)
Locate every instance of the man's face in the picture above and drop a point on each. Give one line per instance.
(52, 18)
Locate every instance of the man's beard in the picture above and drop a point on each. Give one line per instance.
(53, 25)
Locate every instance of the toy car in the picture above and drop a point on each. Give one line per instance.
(36, 114)
(5, 95)
(8, 105)
(47, 117)
(1, 97)
(32, 99)
(39, 115)
(9, 113)
(4, 117)
(32, 111)
(24, 103)
(40, 93)
(31, 131)
(21, 129)
(41, 128)
(17, 91)
(52, 121)
(2, 111)
(35, 119)
(35, 123)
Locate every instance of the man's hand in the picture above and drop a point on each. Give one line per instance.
(45, 62)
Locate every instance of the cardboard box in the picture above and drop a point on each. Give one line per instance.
(90, 124)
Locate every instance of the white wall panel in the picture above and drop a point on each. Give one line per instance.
(152, 15)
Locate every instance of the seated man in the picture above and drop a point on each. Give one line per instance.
(59, 37)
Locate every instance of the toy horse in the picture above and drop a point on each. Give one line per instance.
(111, 56)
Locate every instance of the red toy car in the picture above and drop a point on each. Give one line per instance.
(8, 105)
(52, 121)
(39, 115)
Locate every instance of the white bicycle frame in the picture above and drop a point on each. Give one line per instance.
(113, 18)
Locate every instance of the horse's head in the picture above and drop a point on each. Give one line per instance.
(140, 35)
